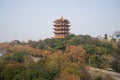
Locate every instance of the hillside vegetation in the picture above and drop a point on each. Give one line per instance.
(58, 59)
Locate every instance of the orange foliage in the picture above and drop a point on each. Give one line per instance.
(46, 53)
(20, 48)
(67, 76)
(75, 53)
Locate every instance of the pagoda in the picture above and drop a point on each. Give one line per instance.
(61, 27)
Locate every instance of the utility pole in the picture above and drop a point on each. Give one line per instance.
(89, 62)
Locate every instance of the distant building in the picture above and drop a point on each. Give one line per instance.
(116, 34)
(115, 37)
(61, 27)
(2, 52)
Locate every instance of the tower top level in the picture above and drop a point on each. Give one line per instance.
(61, 20)
(61, 27)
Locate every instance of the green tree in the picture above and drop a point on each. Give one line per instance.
(106, 36)
(10, 70)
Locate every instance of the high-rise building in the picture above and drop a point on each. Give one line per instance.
(61, 27)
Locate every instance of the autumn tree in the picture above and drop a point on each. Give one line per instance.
(76, 53)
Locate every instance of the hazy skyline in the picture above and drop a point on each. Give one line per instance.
(33, 19)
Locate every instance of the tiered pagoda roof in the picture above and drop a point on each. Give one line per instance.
(61, 27)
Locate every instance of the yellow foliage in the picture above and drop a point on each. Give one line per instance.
(75, 53)
(65, 75)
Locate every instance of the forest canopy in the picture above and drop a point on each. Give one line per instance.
(58, 59)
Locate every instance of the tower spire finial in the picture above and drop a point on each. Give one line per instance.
(62, 17)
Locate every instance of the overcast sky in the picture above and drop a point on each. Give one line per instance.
(33, 19)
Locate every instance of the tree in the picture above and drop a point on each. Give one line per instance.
(105, 36)
(10, 70)
(18, 57)
(65, 75)
(116, 63)
(76, 53)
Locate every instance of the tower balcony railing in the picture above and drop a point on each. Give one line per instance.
(59, 21)
(61, 28)
(61, 32)
(61, 24)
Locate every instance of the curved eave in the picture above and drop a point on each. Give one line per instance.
(61, 32)
(61, 25)
(61, 29)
